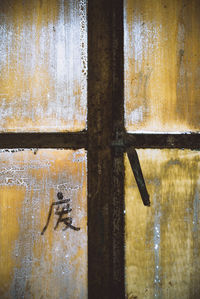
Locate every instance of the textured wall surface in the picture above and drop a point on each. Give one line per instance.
(162, 65)
(163, 241)
(53, 265)
(43, 65)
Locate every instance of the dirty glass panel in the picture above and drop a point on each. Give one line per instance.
(163, 240)
(162, 66)
(43, 65)
(52, 264)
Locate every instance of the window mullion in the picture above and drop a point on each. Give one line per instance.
(105, 163)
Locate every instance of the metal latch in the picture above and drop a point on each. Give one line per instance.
(137, 171)
(120, 146)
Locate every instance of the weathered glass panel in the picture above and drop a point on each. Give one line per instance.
(53, 264)
(163, 240)
(43, 65)
(162, 65)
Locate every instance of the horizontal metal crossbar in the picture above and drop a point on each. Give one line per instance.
(163, 140)
(70, 140)
(76, 140)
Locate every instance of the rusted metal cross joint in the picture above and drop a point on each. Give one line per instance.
(119, 145)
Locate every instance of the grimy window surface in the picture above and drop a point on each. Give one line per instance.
(162, 66)
(43, 67)
(162, 43)
(52, 265)
(162, 241)
(43, 62)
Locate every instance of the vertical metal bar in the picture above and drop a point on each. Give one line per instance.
(105, 164)
(118, 208)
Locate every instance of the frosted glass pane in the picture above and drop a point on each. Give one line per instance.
(52, 265)
(43, 65)
(163, 241)
(162, 66)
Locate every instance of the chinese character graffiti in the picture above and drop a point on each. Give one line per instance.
(63, 208)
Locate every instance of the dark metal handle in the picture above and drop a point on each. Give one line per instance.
(137, 171)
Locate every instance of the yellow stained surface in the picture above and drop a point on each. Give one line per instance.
(43, 65)
(163, 241)
(53, 265)
(162, 65)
